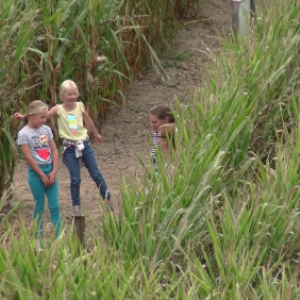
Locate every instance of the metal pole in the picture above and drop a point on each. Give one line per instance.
(242, 12)
(252, 8)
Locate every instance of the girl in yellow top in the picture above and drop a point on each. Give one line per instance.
(70, 117)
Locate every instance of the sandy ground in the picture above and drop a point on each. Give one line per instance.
(127, 131)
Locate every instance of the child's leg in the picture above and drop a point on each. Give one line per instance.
(90, 163)
(74, 169)
(38, 191)
(53, 203)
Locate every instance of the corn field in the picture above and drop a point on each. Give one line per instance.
(225, 225)
(101, 45)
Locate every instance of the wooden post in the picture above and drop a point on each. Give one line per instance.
(242, 12)
(79, 230)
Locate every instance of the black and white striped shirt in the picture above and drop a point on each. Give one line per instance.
(154, 149)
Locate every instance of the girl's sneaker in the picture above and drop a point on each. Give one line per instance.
(76, 210)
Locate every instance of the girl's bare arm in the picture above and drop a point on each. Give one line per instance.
(55, 157)
(91, 126)
(51, 113)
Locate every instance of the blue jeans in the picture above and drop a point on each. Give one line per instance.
(39, 190)
(90, 163)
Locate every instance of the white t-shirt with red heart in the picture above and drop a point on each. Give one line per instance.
(38, 142)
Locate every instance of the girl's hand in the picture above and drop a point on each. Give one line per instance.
(18, 116)
(51, 178)
(45, 180)
(99, 138)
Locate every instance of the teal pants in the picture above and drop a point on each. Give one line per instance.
(39, 190)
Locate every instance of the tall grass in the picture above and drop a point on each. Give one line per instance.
(225, 224)
(8, 155)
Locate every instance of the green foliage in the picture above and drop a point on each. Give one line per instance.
(43, 43)
(46, 42)
(224, 223)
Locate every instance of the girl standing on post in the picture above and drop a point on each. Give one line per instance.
(70, 116)
(38, 147)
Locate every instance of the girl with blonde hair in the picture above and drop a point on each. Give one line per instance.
(39, 150)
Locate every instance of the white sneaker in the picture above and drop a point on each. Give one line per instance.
(76, 210)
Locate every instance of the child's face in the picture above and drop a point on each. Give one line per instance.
(37, 120)
(156, 122)
(162, 141)
(70, 95)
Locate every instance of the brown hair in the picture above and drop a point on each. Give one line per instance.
(34, 108)
(168, 130)
(162, 111)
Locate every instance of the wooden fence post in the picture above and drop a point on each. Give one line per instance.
(79, 230)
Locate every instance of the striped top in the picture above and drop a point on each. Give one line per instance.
(154, 150)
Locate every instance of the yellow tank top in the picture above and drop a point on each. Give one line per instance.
(70, 123)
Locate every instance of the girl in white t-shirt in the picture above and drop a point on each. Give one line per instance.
(39, 150)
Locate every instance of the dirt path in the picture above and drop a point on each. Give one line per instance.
(127, 131)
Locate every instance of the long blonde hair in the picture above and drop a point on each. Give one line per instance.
(34, 108)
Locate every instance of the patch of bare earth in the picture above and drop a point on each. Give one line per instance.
(126, 131)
